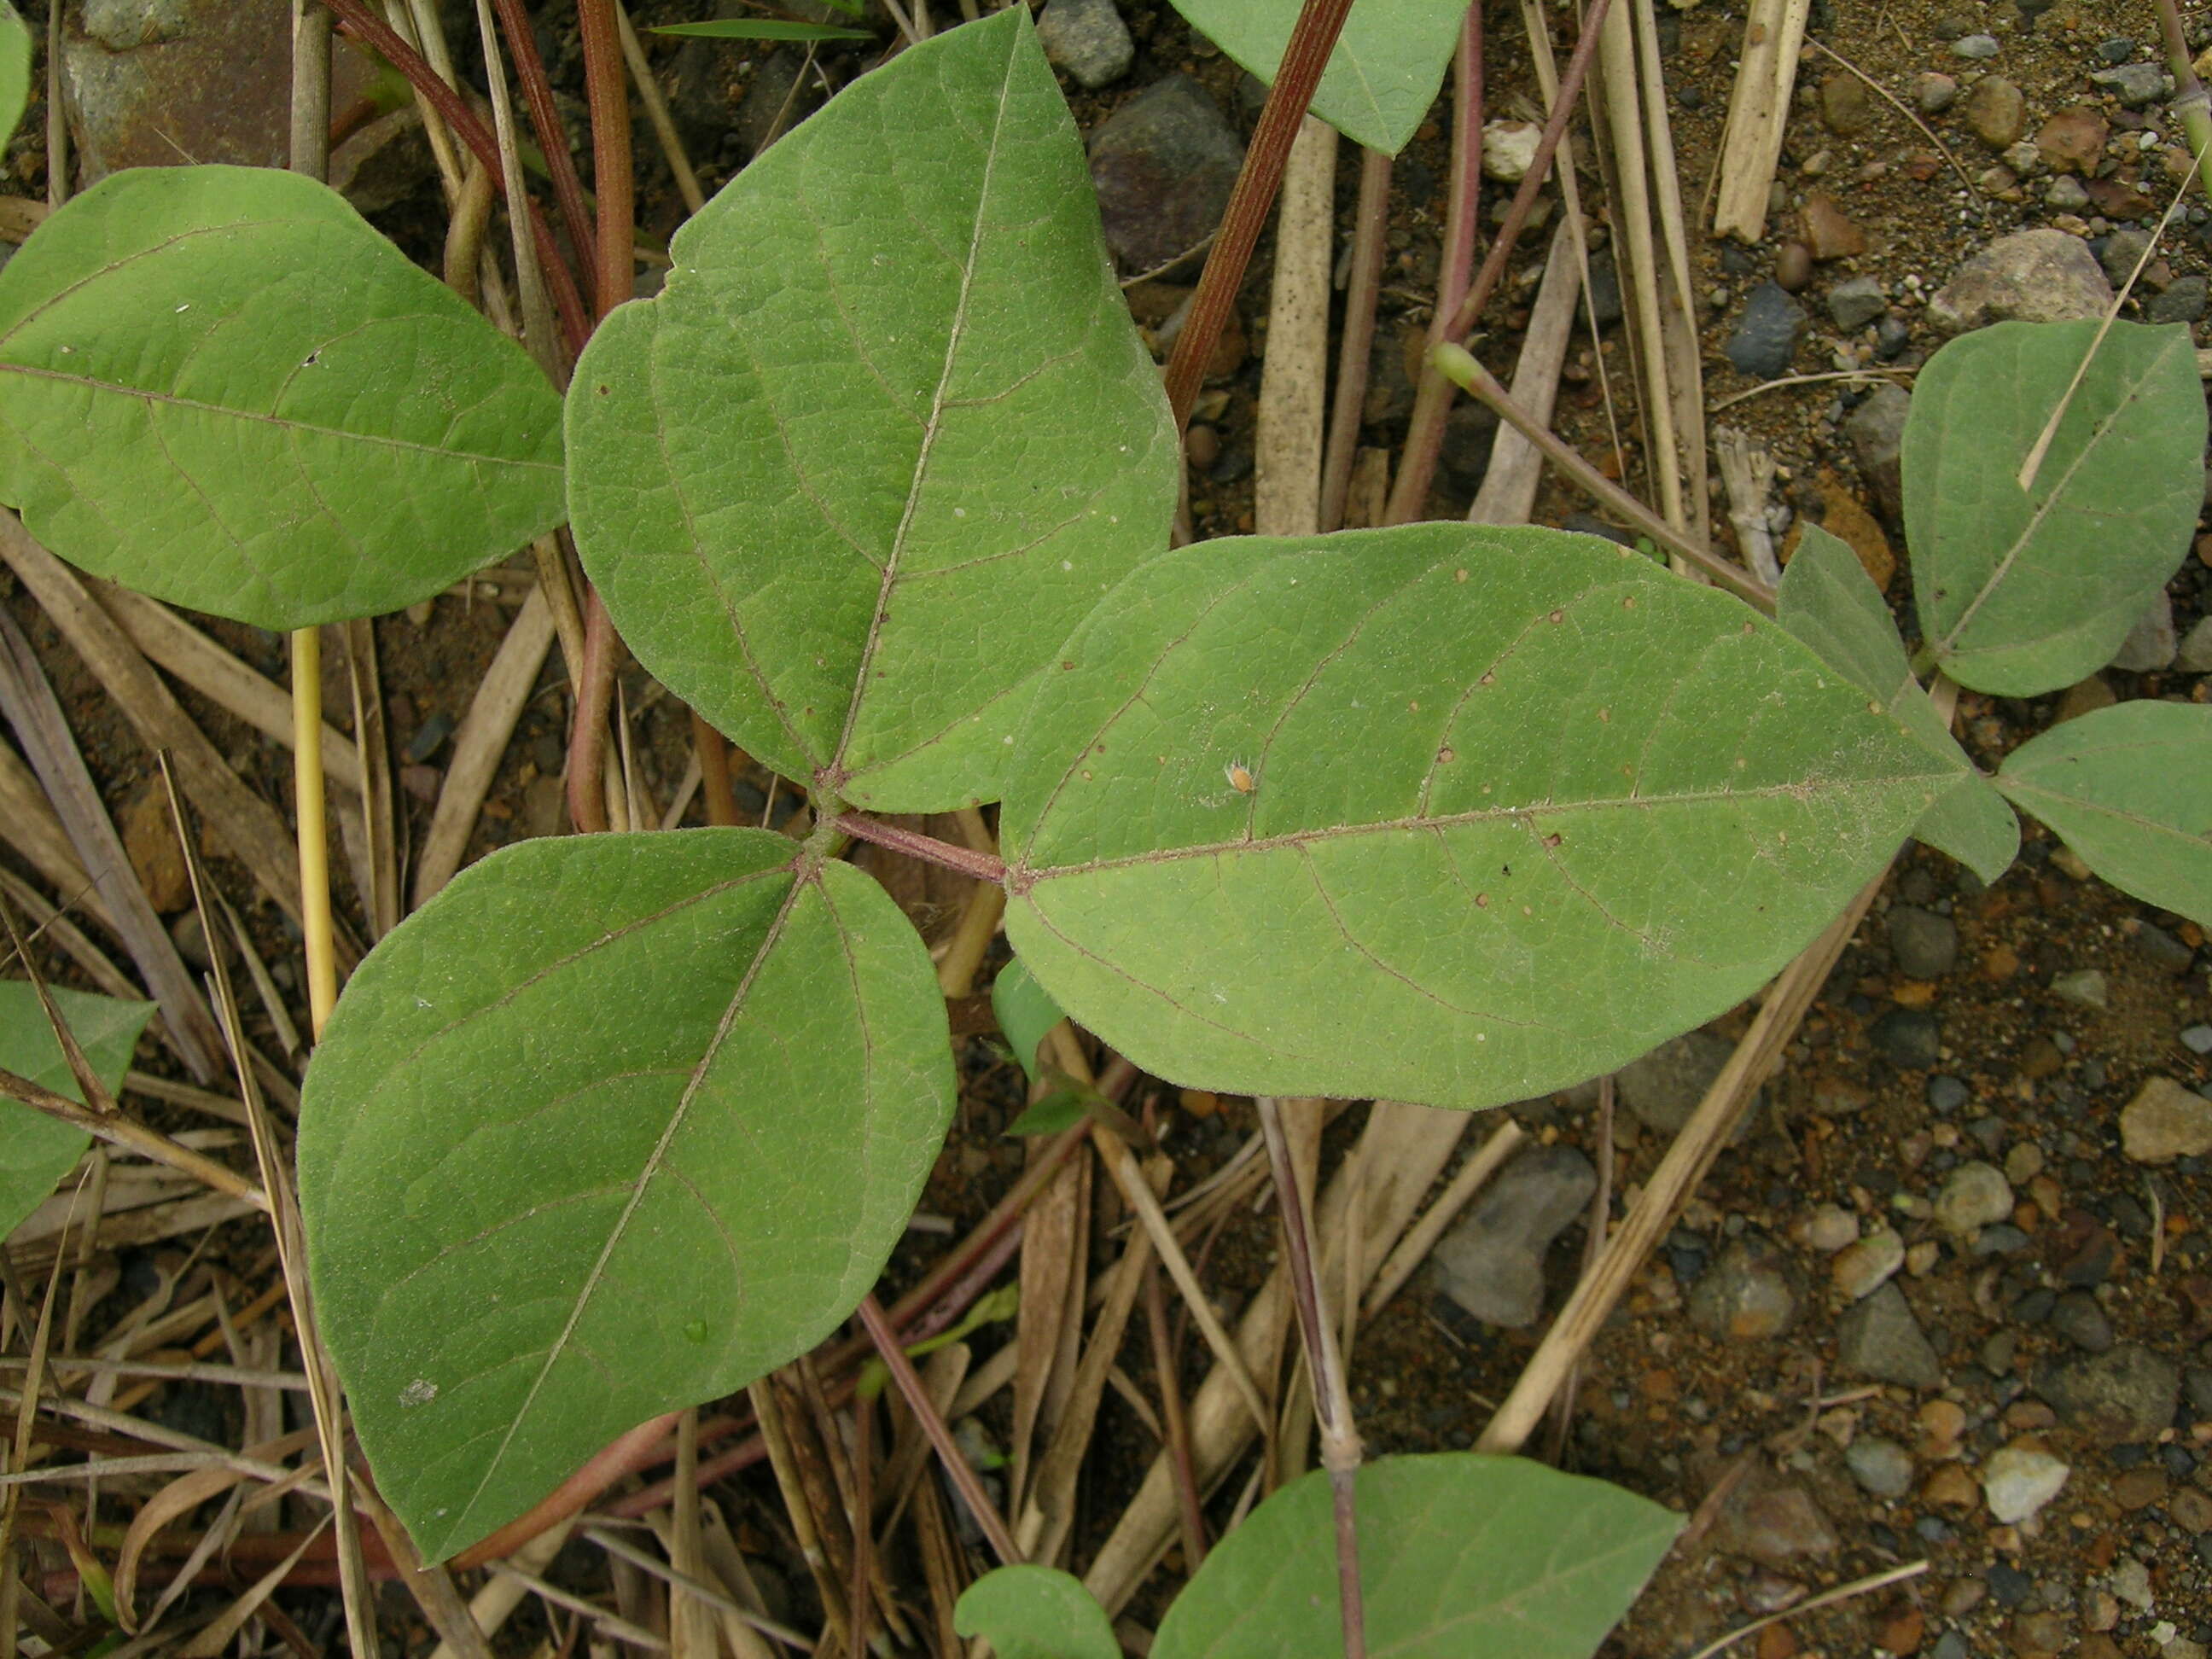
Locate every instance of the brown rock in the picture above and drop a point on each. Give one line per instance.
(1999, 962)
(1936, 1430)
(150, 840)
(1829, 235)
(2084, 697)
(1777, 1642)
(1902, 1630)
(1793, 266)
(2191, 1509)
(2164, 1122)
(1774, 1523)
(1996, 111)
(1844, 105)
(2033, 1635)
(1850, 523)
(2118, 198)
(1952, 1488)
(2139, 1488)
(2073, 141)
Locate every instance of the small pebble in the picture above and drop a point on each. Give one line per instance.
(1975, 48)
(1934, 93)
(2086, 987)
(1866, 1266)
(1881, 1466)
(1976, 1196)
(2197, 1039)
(2164, 1122)
(2019, 1480)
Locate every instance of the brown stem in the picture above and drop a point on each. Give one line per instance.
(365, 26)
(1371, 225)
(587, 738)
(1409, 495)
(1175, 1420)
(545, 121)
(1339, 1436)
(1312, 38)
(967, 861)
(971, 1491)
(1482, 384)
(715, 792)
(606, 85)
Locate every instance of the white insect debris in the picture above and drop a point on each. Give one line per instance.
(421, 1392)
(1240, 779)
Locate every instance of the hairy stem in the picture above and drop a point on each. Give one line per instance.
(1312, 39)
(1339, 1437)
(984, 866)
(1433, 399)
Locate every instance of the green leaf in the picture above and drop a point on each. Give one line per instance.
(1444, 814)
(1026, 1014)
(2130, 788)
(885, 437)
(222, 387)
(2022, 592)
(613, 1124)
(761, 29)
(1063, 1109)
(1828, 601)
(1461, 1557)
(37, 1151)
(1034, 1613)
(1381, 79)
(15, 69)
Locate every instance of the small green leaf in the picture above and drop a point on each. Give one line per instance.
(15, 69)
(1034, 1613)
(37, 1151)
(1443, 813)
(222, 387)
(886, 436)
(2130, 788)
(1461, 1557)
(1381, 79)
(1828, 600)
(1026, 1014)
(2022, 592)
(613, 1124)
(761, 29)
(1063, 1109)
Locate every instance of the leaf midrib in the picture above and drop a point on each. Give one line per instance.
(939, 402)
(1022, 871)
(170, 401)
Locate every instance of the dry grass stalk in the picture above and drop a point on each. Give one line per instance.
(500, 699)
(1507, 495)
(36, 834)
(377, 866)
(1293, 387)
(1759, 112)
(1055, 1236)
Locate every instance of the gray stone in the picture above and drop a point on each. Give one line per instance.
(1935, 92)
(1664, 1087)
(1876, 432)
(1922, 944)
(2194, 655)
(2030, 275)
(2085, 987)
(2150, 644)
(2126, 1395)
(1909, 1038)
(2134, 84)
(1857, 302)
(155, 83)
(1975, 48)
(1879, 1338)
(1870, 1264)
(1765, 340)
(2183, 301)
(1996, 110)
(1749, 1294)
(1088, 39)
(1975, 1196)
(2078, 1318)
(1164, 164)
(2197, 1039)
(1947, 1094)
(2066, 194)
(1881, 1466)
(2124, 250)
(1951, 1645)
(1491, 1261)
